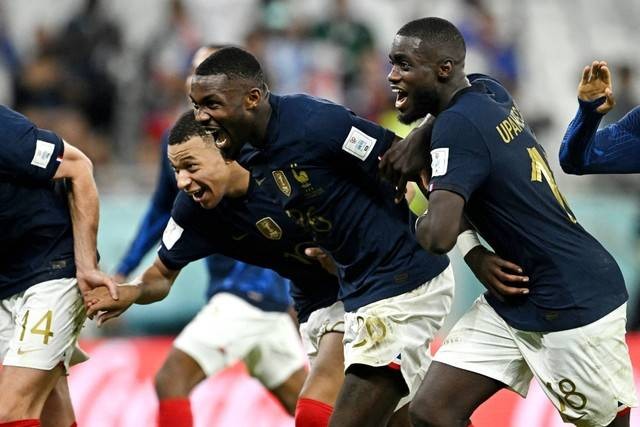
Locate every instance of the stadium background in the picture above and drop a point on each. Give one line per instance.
(109, 77)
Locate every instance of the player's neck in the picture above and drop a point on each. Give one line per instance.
(239, 181)
(262, 123)
(450, 92)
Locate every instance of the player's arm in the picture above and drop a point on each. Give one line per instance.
(407, 158)
(152, 286)
(84, 208)
(154, 220)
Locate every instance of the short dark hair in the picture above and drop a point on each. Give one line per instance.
(233, 62)
(434, 30)
(185, 128)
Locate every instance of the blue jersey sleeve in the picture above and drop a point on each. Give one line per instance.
(460, 159)
(156, 217)
(28, 154)
(613, 149)
(183, 240)
(354, 141)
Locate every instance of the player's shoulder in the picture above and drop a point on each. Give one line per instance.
(14, 125)
(316, 117)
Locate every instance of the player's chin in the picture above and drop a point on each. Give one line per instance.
(210, 200)
(408, 116)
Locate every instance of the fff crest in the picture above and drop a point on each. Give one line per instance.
(269, 228)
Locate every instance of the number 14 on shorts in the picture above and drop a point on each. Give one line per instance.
(41, 325)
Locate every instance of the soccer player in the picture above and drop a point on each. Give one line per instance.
(318, 164)
(233, 226)
(612, 149)
(568, 331)
(48, 258)
(246, 314)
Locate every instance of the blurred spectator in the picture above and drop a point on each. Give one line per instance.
(168, 61)
(86, 47)
(9, 64)
(485, 44)
(625, 95)
(352, 38)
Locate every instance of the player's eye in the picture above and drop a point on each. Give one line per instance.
(404, 65)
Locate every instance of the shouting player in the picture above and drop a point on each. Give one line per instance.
(568, 331)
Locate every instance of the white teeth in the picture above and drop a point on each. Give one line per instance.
(395, 90)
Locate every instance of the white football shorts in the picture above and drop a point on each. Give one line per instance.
(39, 327)
(398, 331)
(321, 322)
(586, 372)
(229, 329)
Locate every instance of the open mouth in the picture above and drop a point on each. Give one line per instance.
(197, 195)
(219, 137)
(401, 97)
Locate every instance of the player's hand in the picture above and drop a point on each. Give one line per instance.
(502, 278)
(323, 258)
(100, 302)
(91, 279)
(119, 278)
(596, 83)
(404, 160)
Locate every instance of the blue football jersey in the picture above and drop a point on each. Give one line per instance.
(483, 150)
(319, 162)
(262, 288)
(239, 229)
(36, 243)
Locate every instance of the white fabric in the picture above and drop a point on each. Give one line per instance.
(55, 306)
(584, 371)
(398, 331)
(319, 323)
(229, 329)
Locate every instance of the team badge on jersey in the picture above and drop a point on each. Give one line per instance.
(439, 161)
(282, 182)
(43, 153)
(269, 228)
(358, 143)
(171, 234)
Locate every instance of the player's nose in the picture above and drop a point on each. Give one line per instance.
(393, 75)
(183, 179)
(202, 116)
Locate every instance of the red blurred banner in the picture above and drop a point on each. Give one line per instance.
(115, 389)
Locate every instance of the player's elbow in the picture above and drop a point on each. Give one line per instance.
(434, 241)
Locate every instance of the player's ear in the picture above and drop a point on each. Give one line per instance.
(253, 98)
(445, 69)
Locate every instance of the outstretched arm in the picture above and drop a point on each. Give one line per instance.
(84, 208)
(153, 285)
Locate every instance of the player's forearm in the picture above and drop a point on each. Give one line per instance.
(154, 284)
(576, 151)
(84, 208)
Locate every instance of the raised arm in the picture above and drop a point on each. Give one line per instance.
(84, 208)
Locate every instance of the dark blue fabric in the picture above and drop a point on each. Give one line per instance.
(495, 163)
(320, 165)
(268, 292)
(36, 243)
(612, 149)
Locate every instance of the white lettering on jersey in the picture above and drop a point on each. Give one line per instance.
(358, 143)
(171, 234)
(43, 153)
(439, 161)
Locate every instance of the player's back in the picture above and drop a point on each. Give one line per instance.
(517, 207)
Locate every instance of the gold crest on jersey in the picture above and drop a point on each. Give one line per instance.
(282, 182)
(269, 228)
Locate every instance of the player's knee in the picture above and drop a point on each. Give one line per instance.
(424, 414)
(169, 382)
